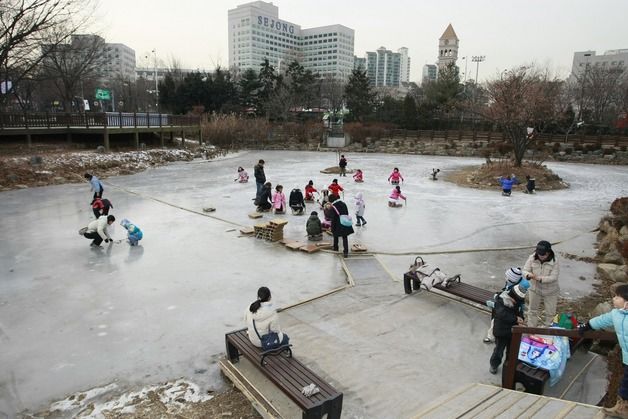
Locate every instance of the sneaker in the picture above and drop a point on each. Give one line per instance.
(364, 223)
(487, 340)
(358, 224)
(492, 370)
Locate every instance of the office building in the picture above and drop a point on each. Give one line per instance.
(610, 59)
(256, 33)
(430, 74)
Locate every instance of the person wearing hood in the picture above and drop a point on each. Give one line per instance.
(313, 227)
(507, 184)
(508, 312)
(542, 270)
(359, 210)
(261, 318)
(616, 319)
(337, 228)
(264, 202)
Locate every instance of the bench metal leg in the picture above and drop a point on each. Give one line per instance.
(335, 408)
(314, 413)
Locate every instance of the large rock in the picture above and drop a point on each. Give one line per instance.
(607, 270)
(620, 274)
(623, 232)
(607, 242)
(613, 256)
(601, 308)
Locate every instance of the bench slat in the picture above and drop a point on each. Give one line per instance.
(287, 373)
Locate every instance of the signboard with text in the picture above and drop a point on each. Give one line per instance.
(103, 94)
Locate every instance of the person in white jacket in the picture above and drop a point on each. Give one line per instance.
(265, 317)
(542, 269)
(97, 230)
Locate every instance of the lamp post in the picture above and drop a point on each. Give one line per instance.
(465, 70)
(156, 83)
(477, 59)
(584, 77)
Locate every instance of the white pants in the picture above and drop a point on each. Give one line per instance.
(549, 303)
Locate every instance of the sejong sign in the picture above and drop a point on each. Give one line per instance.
(275, 24)
(103, 94)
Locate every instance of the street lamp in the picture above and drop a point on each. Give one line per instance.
(465, 69)
(477, 59)
(584, 76)
(156, 83)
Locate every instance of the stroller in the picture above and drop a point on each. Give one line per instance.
(422, 275)
(296, 202)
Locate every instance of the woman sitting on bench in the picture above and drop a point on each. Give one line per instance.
(261, 319)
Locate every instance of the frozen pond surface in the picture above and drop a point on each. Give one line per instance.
(72, 318)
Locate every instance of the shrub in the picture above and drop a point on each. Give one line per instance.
(569, 150)
(555, 147)
(223, 130)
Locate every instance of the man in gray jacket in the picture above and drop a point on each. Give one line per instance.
(97, 230)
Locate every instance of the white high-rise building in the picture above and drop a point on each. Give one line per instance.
(256, 33)
(404, 68)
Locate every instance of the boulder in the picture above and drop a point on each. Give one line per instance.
(601, 308)
(623, 232)
(606, 270)
(613, 256)
(100, 149)
(620, 274)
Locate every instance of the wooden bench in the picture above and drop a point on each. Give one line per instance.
(459, 289)
(289, 375)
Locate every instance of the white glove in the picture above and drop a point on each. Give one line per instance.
(309, 391)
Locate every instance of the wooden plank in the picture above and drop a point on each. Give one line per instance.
(551, 409)
(584, 412)
(324, 245)
(310, 248)
(295, 245)
(279, 221)
(462, 403)
(247, 231)
(526, 404)
(255, 215)
(500, 404)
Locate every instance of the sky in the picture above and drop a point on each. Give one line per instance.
(508, 33)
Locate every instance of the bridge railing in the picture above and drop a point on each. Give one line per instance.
(94, 120)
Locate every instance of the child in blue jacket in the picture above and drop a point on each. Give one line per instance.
(618, 320)
(507, 184)
(134, 232)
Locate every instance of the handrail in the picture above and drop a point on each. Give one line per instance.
(508, 380)
(93, 119)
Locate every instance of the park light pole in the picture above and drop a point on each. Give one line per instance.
(156, 83)
(584, 76)
(477, 59)
(465, 70)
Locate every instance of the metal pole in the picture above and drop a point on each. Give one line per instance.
(156, 83)
(465, 70)
(584, 76)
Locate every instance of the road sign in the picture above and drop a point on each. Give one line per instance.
(103, 94)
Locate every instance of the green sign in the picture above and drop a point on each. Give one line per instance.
(103, 94)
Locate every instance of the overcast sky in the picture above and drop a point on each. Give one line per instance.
(509, 33)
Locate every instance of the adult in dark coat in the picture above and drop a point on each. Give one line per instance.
(337, 229)
(264, 201)
(260, 177)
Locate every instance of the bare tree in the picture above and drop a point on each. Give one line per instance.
(601, 92)
(68, 64)
(332, 95)
(521, 99)
(27, 24)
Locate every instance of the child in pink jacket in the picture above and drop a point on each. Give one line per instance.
(395, 176)
(279, 200)
(394, 200)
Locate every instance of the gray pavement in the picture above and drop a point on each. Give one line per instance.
(73, 318)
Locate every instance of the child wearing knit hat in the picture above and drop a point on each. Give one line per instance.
(507, 313)
(513, 276)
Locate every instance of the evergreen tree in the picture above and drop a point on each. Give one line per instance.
(410, 113)
(249, 85)
(359, 96)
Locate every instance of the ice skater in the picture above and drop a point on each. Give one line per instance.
(343, 165)
(313, 227)
(395, 176)
(530, 184)
(296, 201)
(309, 191)
(279, 200)
(96, 186)
(260, 177)
(359, 210)
(394, 200)
(507, 184)
(134, 234)
(243, 177)
(101, 206)
(97, 230)
(263, 201)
